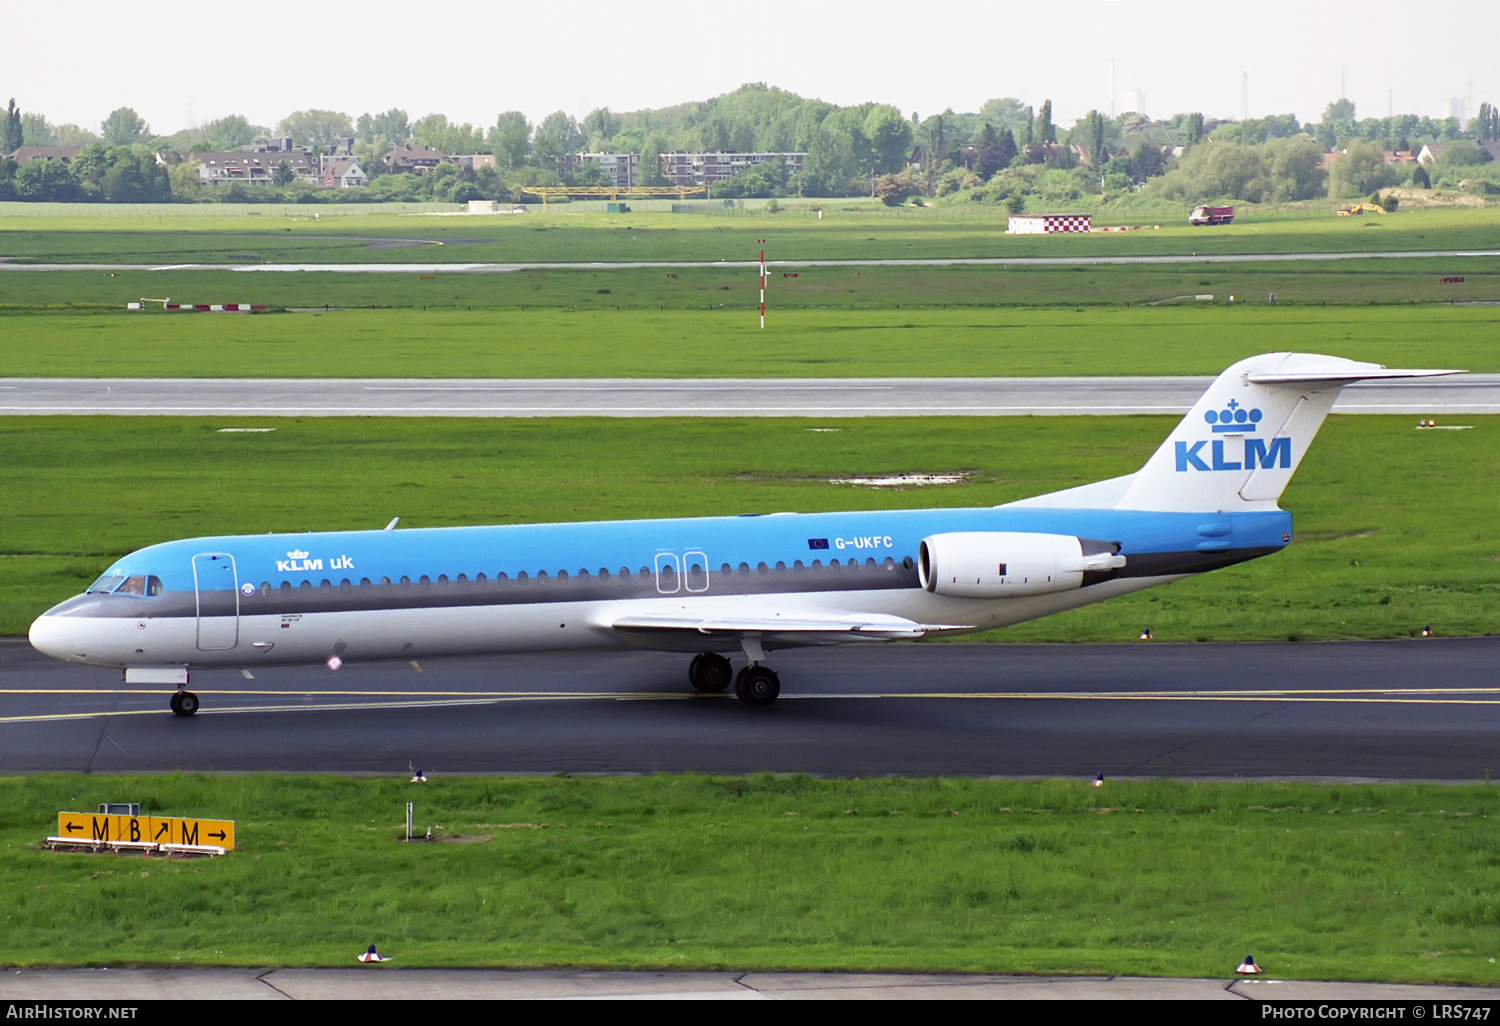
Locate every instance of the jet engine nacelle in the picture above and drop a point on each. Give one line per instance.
(999, 564)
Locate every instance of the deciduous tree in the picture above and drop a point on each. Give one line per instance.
(230, 133)
(1294, 168)
(556, 136)
(1359, 169)
(393, 127)
(318, 129)
(123, 127)
(1193, 128)
(890, 137)
(45, 180)
(510, 139)
(35, 131)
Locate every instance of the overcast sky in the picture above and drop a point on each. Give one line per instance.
(179, 64)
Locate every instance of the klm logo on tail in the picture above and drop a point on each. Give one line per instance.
(1235, 420)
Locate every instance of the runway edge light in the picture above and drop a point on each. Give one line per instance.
(1247, 967)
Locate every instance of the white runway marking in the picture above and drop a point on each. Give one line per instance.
(710, 397)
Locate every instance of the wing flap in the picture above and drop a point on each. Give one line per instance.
(826, 626)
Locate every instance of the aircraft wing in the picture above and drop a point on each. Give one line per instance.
(823, 627)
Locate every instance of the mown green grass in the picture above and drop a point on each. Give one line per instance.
(1396, 528)
(857, 232)
(1391, 883)
(736, 290)
(728, 343)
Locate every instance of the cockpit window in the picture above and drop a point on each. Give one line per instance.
(119, 584)
(106, 584)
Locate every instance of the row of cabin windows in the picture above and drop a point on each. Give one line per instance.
(695, 574)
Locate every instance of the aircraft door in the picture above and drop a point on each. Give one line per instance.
(695, 571)
(217, 586)
(668, 580)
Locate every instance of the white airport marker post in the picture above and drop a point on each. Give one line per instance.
(762, 283)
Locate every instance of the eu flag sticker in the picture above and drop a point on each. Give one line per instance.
(817, 543)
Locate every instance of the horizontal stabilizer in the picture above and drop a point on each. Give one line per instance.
(1310, 369)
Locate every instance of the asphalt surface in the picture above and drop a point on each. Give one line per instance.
(385, 981)
(1393, 710)
(457, 267)
(1462, 394)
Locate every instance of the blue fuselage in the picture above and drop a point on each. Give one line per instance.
(239, 600)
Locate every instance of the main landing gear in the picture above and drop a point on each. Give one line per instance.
(184, 703)
(710, 673)
(755, 685)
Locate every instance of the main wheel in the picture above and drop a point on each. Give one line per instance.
(184, 703)
(757, 686)
(710, 673)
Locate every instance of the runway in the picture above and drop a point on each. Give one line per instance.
(462, 267)
(710, 397)
(1387, 710)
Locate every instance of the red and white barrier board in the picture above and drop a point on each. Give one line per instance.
(1048, 224)
(204, 307)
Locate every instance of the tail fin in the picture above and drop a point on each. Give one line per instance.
(1239, 446)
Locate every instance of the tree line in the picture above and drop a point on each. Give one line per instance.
(1006, 152)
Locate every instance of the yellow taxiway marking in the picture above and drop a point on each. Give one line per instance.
(371, 700)
(1226, 694)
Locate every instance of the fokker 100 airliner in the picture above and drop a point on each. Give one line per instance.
(717, 586)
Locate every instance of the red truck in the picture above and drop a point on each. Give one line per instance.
(1211, 215)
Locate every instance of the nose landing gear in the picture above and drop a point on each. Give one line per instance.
(184, 703)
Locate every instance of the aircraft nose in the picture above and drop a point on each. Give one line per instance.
(53, 635)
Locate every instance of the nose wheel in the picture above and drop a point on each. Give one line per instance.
(184, 703)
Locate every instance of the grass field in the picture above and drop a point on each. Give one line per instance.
(1393, 883)
(1345, 282)
(1396, 528)
(688, 343)
(847, 231)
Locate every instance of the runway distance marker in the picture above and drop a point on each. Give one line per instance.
(86, 826)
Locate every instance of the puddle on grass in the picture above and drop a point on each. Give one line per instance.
(912, 480)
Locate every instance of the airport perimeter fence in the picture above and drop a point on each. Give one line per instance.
(320, 210)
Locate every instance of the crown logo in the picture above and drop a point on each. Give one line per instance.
(296, 554)
(1234, 419)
